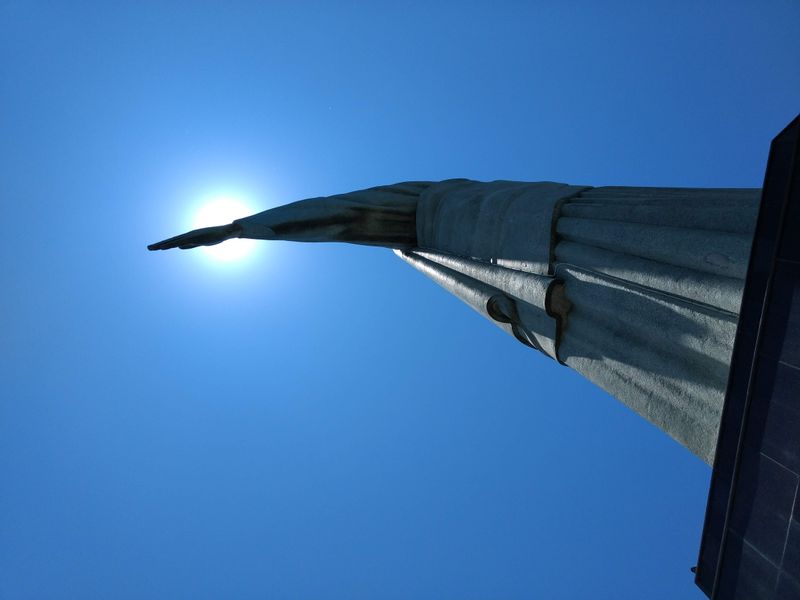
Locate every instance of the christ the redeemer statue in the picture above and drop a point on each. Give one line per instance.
(638, 289)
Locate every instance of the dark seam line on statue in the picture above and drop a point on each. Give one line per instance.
(730, 280)
(655, 292)
(624, 247)
(657, 226)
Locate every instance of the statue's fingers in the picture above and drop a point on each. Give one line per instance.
(173, 242)
(207, 236)
(162, 245)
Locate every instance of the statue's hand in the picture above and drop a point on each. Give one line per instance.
(208, 236)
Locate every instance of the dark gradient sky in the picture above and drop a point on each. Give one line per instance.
(322, 421)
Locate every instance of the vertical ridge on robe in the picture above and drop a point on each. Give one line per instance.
(655, 277)
(530, 307)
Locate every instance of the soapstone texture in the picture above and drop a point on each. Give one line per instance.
(507, 222)
(519, 303)
(638, 289)
(653, 278)
(662, 356)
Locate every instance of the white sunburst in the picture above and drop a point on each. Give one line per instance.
(220, 210)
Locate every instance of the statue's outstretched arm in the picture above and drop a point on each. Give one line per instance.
(381, 216)
(207, 236)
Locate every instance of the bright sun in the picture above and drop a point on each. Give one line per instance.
(219, 211)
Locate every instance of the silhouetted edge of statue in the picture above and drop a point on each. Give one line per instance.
(379, 216)
(637, 289)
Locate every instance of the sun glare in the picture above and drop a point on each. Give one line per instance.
(219, 211)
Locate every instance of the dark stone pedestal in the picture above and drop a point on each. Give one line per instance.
(751, 538)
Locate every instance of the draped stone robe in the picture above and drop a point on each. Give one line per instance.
(637, 289)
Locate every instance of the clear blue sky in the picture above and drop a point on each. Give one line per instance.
(322, 421)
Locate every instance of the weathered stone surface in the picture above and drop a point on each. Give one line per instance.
(507, 222)
(638, 289)
(724, 293)
(653, 276)
(530, 307)
(715, 252)
(664, 357)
